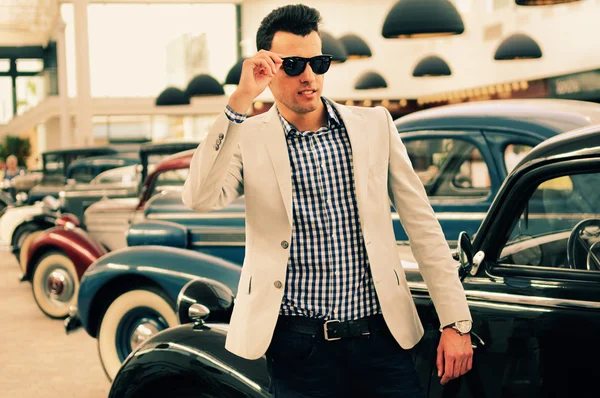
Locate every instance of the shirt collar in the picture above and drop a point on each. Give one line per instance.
(332, 120)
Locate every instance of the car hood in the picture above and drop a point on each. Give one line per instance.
(113, 205)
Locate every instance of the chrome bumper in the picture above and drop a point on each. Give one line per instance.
(72, 322)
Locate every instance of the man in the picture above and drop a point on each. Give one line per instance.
(322, 291)
(12, 169)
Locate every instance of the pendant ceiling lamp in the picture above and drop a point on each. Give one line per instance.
(370, 80)
(543, 2)
(355, 46)
(518, 46)
(235, 73)
(432, 66)
(172, 96)
(203, 85)
(422, 18)
(332, 46)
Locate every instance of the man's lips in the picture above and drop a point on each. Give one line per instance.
(308, 91)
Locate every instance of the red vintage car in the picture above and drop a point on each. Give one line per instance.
(59, 256)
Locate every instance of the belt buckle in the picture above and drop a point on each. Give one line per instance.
(327, 338)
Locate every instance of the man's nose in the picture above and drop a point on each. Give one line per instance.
(308, 75)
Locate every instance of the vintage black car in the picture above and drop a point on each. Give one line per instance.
(531, 277)
(55, 165)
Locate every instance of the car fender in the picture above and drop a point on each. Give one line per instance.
(6, 198)
(15, 216)
(192, 356)
(74, 242)
(165, 268)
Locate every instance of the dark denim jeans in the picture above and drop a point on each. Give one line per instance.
(302, 366)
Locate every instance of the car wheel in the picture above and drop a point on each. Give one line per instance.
(23, 252)
(21, 234)
(131, 319)
(55, 284)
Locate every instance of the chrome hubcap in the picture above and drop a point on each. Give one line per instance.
(142, 333)
(60, 285)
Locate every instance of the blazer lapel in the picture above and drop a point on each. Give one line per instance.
(356, 128)
(275, 141)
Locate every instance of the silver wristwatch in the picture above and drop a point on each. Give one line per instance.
(461, 327)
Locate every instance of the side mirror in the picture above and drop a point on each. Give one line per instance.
(464, 251)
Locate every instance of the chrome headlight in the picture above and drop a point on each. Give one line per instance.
(215, 297)
(22, 197)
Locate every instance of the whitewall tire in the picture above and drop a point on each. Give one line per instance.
(55, 284)
(25, 248)
(129, 320)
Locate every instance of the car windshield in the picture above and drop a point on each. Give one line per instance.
(54, 165)
(124, 175)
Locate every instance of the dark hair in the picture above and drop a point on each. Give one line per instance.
(297, 19)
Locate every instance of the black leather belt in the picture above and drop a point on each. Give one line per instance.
(333, 329)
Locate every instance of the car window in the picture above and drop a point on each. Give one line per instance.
(53, 165)
(560, 226)
(449, 167)
(513, 153)
(125, 175)
(169, 180)
(82, 174)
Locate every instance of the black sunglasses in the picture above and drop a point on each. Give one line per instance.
(294, 66)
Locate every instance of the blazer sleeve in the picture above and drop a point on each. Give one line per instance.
(216, 171)
(427, 241)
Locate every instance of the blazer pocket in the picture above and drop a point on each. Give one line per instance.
(245, 284)
(397, 277)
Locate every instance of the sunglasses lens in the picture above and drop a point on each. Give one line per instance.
(320, 65)
(293, 67)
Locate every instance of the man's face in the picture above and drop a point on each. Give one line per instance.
(301, 94)
(11, 163)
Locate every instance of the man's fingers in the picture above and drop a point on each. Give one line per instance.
(269, 62)
(261, 65)
(273, 59)
(458, 366)
(448, 369)
(470, 363)
(440, 362)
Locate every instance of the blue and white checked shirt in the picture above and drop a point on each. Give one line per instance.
(328, 275)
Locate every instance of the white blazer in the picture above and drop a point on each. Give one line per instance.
(251, 159)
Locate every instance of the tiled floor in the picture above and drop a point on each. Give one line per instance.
(37, 358)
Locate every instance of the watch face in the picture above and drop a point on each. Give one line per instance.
(463, 326)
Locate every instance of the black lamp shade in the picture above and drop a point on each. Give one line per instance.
(235, 73)
(332, 46)
(543, 2)
(432, 66)
(202, 85)
(355, 46)
(172, 96)
(370, 80)
(422, 18)
(518, 46)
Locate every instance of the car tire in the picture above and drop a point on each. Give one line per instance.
(55, 284)
(22, 233)
(136, 307)
(25, 248)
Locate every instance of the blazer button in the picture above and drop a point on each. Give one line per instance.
(284, 244)
(221, 136)
(217, 147)
(277, 284)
